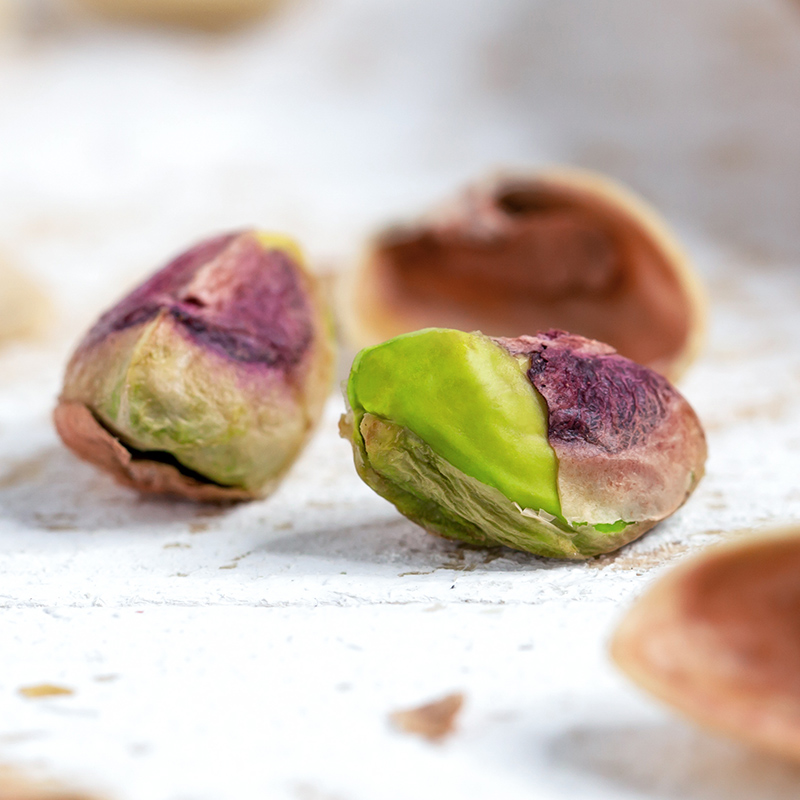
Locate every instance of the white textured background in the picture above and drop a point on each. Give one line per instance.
(256, 652)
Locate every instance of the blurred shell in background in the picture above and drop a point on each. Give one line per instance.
(24, 309)
(524, 252)
(718, 639)
(203, 14)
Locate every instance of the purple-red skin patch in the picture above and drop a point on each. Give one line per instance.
(593, 395)
(255, 309)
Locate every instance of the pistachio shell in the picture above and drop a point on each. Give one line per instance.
(24, 309)
(204, 14)
(207, 380)
(564, 249)
(448, 435)
(717, 638)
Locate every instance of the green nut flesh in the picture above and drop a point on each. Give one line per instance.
(450, 428)
(455, 379)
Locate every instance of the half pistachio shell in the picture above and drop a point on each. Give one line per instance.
(718, 639)
(564, 249)
(208, 379)
(552, 444)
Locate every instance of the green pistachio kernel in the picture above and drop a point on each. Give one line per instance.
(552, 444)
(453, 382)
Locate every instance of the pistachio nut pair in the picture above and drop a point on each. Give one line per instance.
(206, 380)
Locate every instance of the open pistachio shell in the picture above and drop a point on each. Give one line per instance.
(718, 639)
(203, 14)
(552, 444)
(564, 249)
(207, 380)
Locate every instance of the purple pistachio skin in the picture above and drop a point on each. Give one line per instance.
(629, 446)
(207, 379)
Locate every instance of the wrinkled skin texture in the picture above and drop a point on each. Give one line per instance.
(628, 444)
(206, 380)
(630, 450)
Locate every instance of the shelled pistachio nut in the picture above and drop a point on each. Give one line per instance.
(552, 443)
(202, 14)
(564, 249)
(717, 638)
(207, 380)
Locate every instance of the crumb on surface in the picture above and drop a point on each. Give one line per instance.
(16, 785)
(44, 690)
(433, 721)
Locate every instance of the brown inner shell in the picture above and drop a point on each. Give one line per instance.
(87, 438)
(720, 640)
(532, 255)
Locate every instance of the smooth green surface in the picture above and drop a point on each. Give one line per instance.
(470, 401)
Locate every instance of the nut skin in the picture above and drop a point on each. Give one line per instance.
(717, 639)
(520, 251)
(206, 380)
(629, 452)
(628, 444)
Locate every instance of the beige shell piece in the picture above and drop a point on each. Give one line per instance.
(517, 253)
(7, 16)
(203, 14)
(24, 308)
(718, 638)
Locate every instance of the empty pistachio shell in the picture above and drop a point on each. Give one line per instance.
(552, 443)
(567, 249)
(718, 639)
(206, 380)
(208, 14)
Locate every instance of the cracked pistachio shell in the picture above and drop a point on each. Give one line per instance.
(207, 380)
(552, 444)
(519, 252)
(717, 638)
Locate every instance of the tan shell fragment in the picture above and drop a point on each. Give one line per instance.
(718, 638)
(18, 785)
(202, 14)
(24, 309)
(433, 721)
(83, 434)
(564, 249)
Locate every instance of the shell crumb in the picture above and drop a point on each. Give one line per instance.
(433, 721)
(44, 690)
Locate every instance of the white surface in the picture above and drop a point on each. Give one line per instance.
(256, 652)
